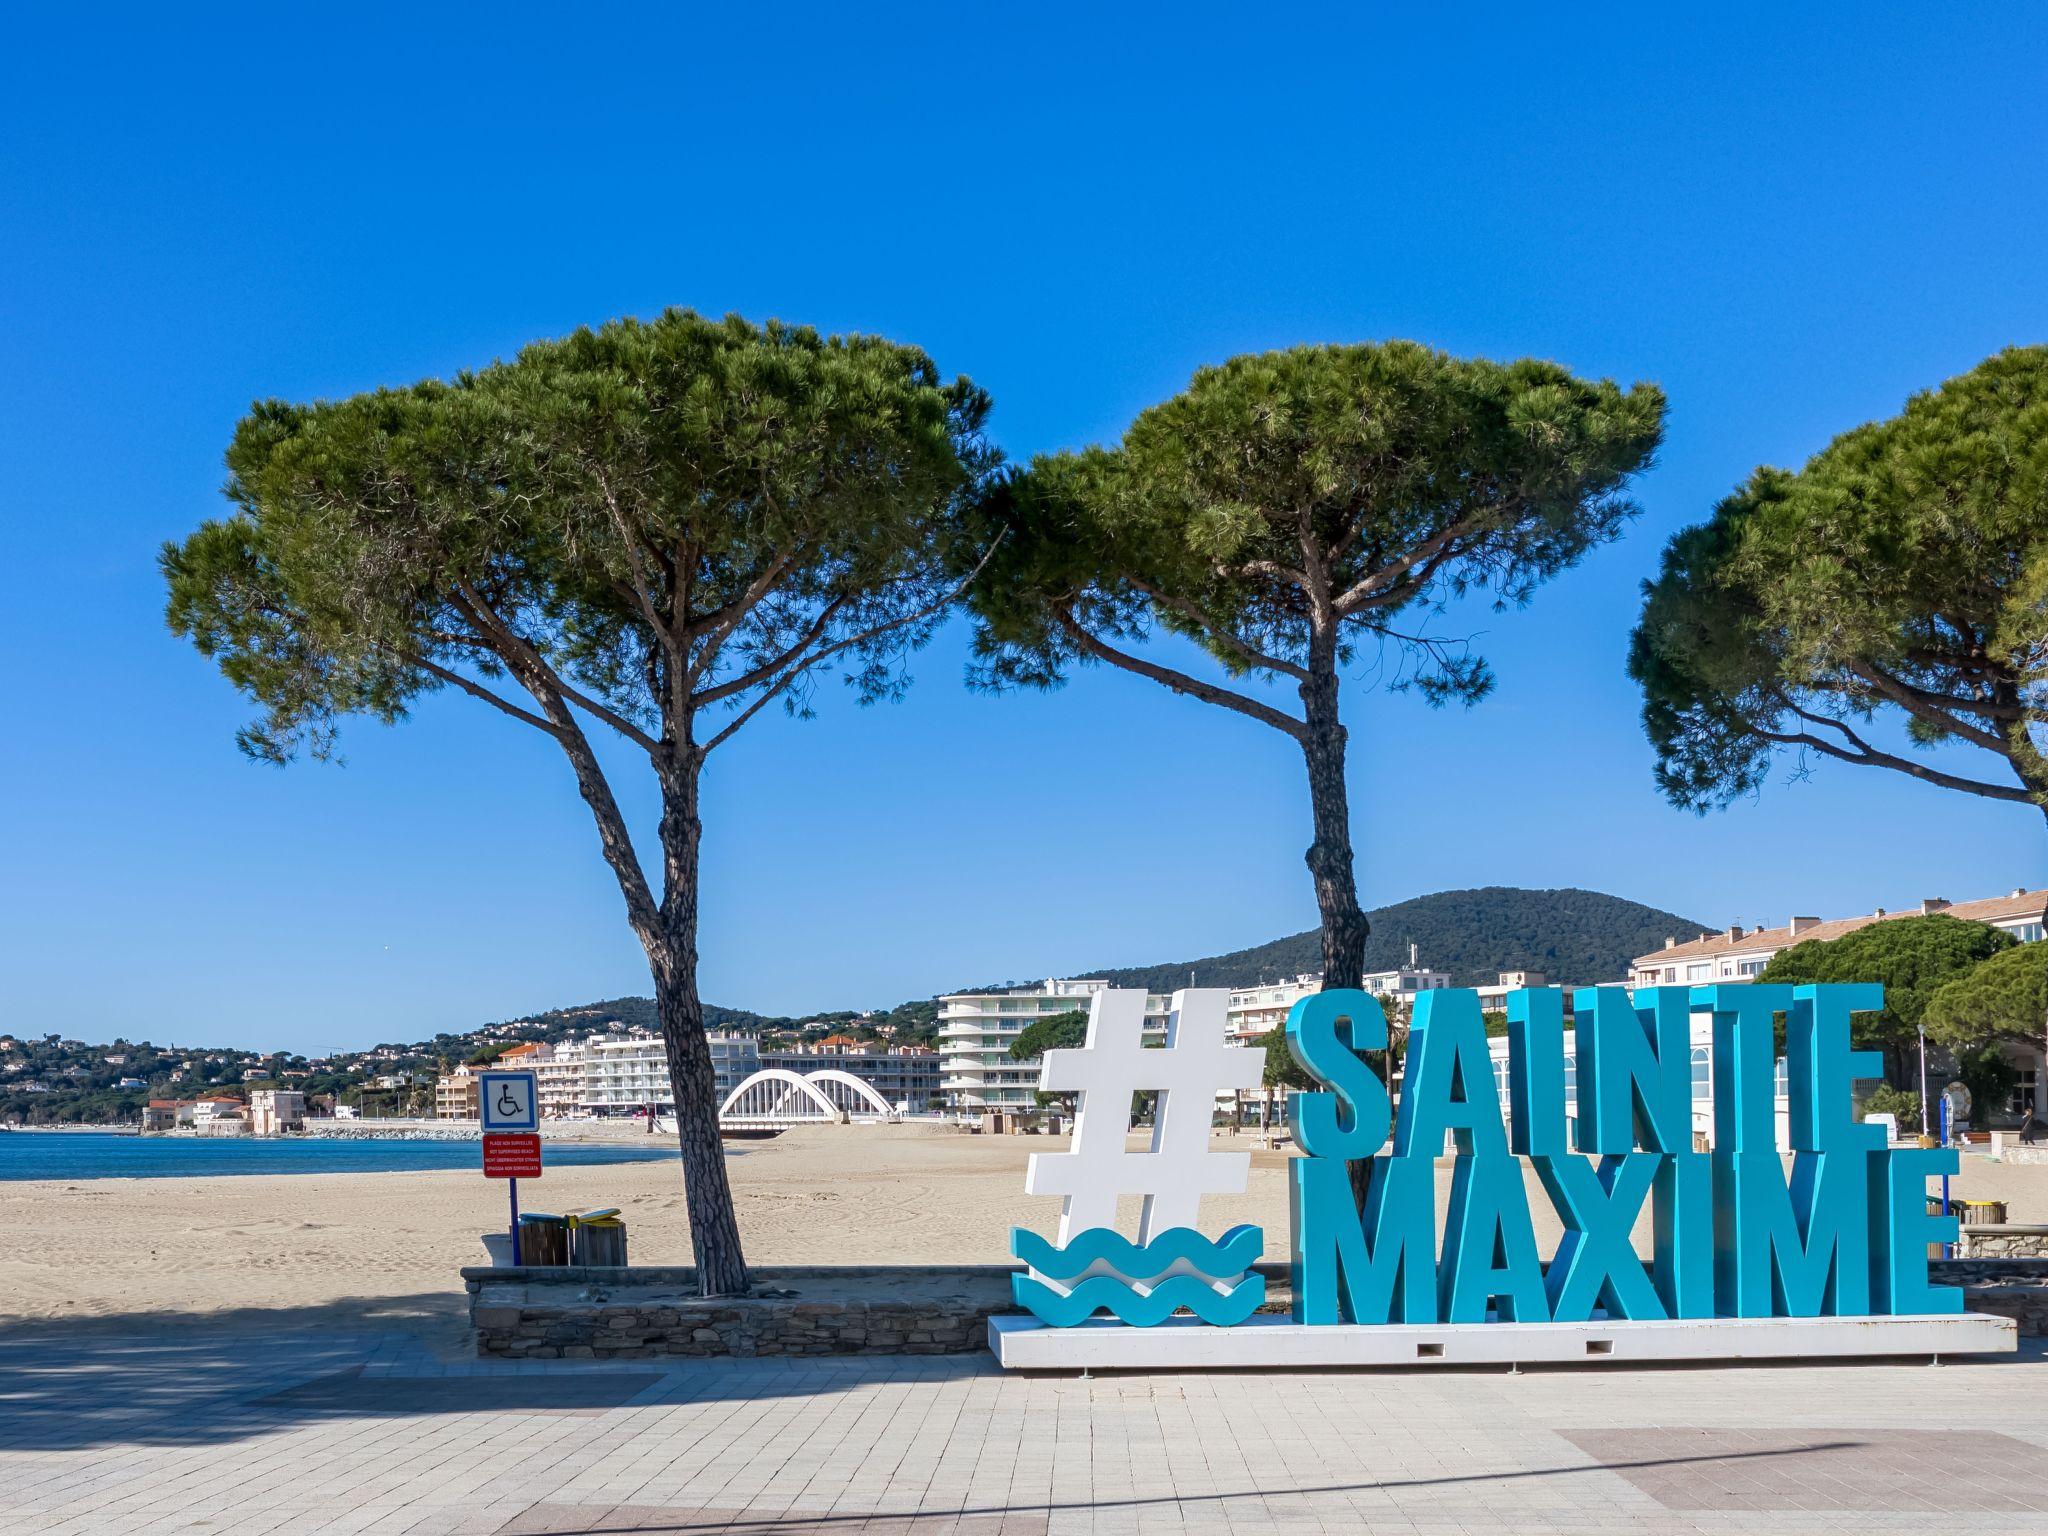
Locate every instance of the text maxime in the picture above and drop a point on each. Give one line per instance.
(1844, 1233)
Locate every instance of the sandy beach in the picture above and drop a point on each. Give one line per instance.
(386, 1245)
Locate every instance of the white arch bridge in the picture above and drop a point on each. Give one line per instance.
(776, 1096)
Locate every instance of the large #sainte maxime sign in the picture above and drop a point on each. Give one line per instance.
(1748, 1256)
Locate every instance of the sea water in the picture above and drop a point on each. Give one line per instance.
(114, 1155)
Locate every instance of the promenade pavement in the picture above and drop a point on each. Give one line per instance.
(258, 1425)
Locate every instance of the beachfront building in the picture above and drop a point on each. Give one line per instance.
(1260, 1010)
(1739, 954)
(627, 1073)
(1403, 983)
(976, 1029)
(455, 1095)
(906, 1075)
(273, 1111)
(558, 1079)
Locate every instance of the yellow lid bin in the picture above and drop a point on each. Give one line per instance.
(597, 1237)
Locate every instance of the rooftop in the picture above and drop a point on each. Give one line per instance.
(2016, 904)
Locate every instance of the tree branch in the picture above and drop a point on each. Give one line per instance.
(1871, 757)
(1378, 588)
(476, 691)
(768, 669)
(1179, 682)
(522, 656)
(827, 653)
(1244, 652)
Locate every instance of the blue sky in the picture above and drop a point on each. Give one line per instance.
(1790, 221)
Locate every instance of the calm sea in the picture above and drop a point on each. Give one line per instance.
(96, 1155)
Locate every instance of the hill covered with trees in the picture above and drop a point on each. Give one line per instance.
(1570, 935)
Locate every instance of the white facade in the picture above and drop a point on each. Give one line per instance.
(1260, 1010)
(977, 1028)
(558, 1078)
(625, 1073)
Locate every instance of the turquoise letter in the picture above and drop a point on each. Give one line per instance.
(1447, 1082)
(1745, 1066)
(1596, 1263)
(1536, 1071)
(1489, 1244)
(1801, 1250)
(1635, 1069)
(1820, 1068)
(1682, 1218)
(1901, 1229)
(1325, 1033)
(1342, 1275)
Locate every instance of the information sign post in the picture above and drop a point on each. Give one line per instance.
(509, 1104)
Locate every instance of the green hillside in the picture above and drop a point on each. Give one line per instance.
(1570, 935)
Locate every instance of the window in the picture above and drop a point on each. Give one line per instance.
(1750, 967)
(2028, 933)
(1699, 971)
(1702, 1073)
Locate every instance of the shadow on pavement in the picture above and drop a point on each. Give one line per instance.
(186, 1378)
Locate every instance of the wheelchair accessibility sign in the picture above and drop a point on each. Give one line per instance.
(508, 1101)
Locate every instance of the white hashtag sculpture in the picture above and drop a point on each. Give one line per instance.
(1179, 1168)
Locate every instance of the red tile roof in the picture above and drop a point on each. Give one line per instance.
(1991, 909)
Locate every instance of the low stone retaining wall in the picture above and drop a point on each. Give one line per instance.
(2014, 1288)
(624, 1313)
(2004, 1240)
(635, 1313)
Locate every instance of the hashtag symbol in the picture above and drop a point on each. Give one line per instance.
(1178, 1169)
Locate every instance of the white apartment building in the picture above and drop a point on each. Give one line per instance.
(975, 1032)
(558, 1080)
(625, 1073)
(1260, 1010)
(976, 1029)
(1739, 954)
(905, 1075)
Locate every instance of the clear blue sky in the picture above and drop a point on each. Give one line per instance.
(1789, 221)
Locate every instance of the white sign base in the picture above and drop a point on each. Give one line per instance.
(1270, 1341)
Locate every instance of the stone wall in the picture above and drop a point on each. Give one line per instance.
(608, 1314)
(2008, 1240)
(2014, 1288)
(604, 1314)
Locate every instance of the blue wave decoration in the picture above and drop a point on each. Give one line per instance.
(1220, 1259)
(1220, 1309)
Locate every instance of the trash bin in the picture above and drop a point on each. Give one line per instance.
(597, 1237)
(1983, 1213)
(543, 1239)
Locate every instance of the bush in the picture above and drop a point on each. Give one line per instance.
(1898, 1103)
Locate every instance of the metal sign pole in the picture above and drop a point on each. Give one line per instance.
(513, 1186)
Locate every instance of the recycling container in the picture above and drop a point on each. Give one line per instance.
(597, 1237)
(543, 1239)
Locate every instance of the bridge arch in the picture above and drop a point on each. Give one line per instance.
(862, 1088)
(779, 1093)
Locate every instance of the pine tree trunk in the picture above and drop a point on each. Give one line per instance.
(707, 1194)
(1344, 924)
